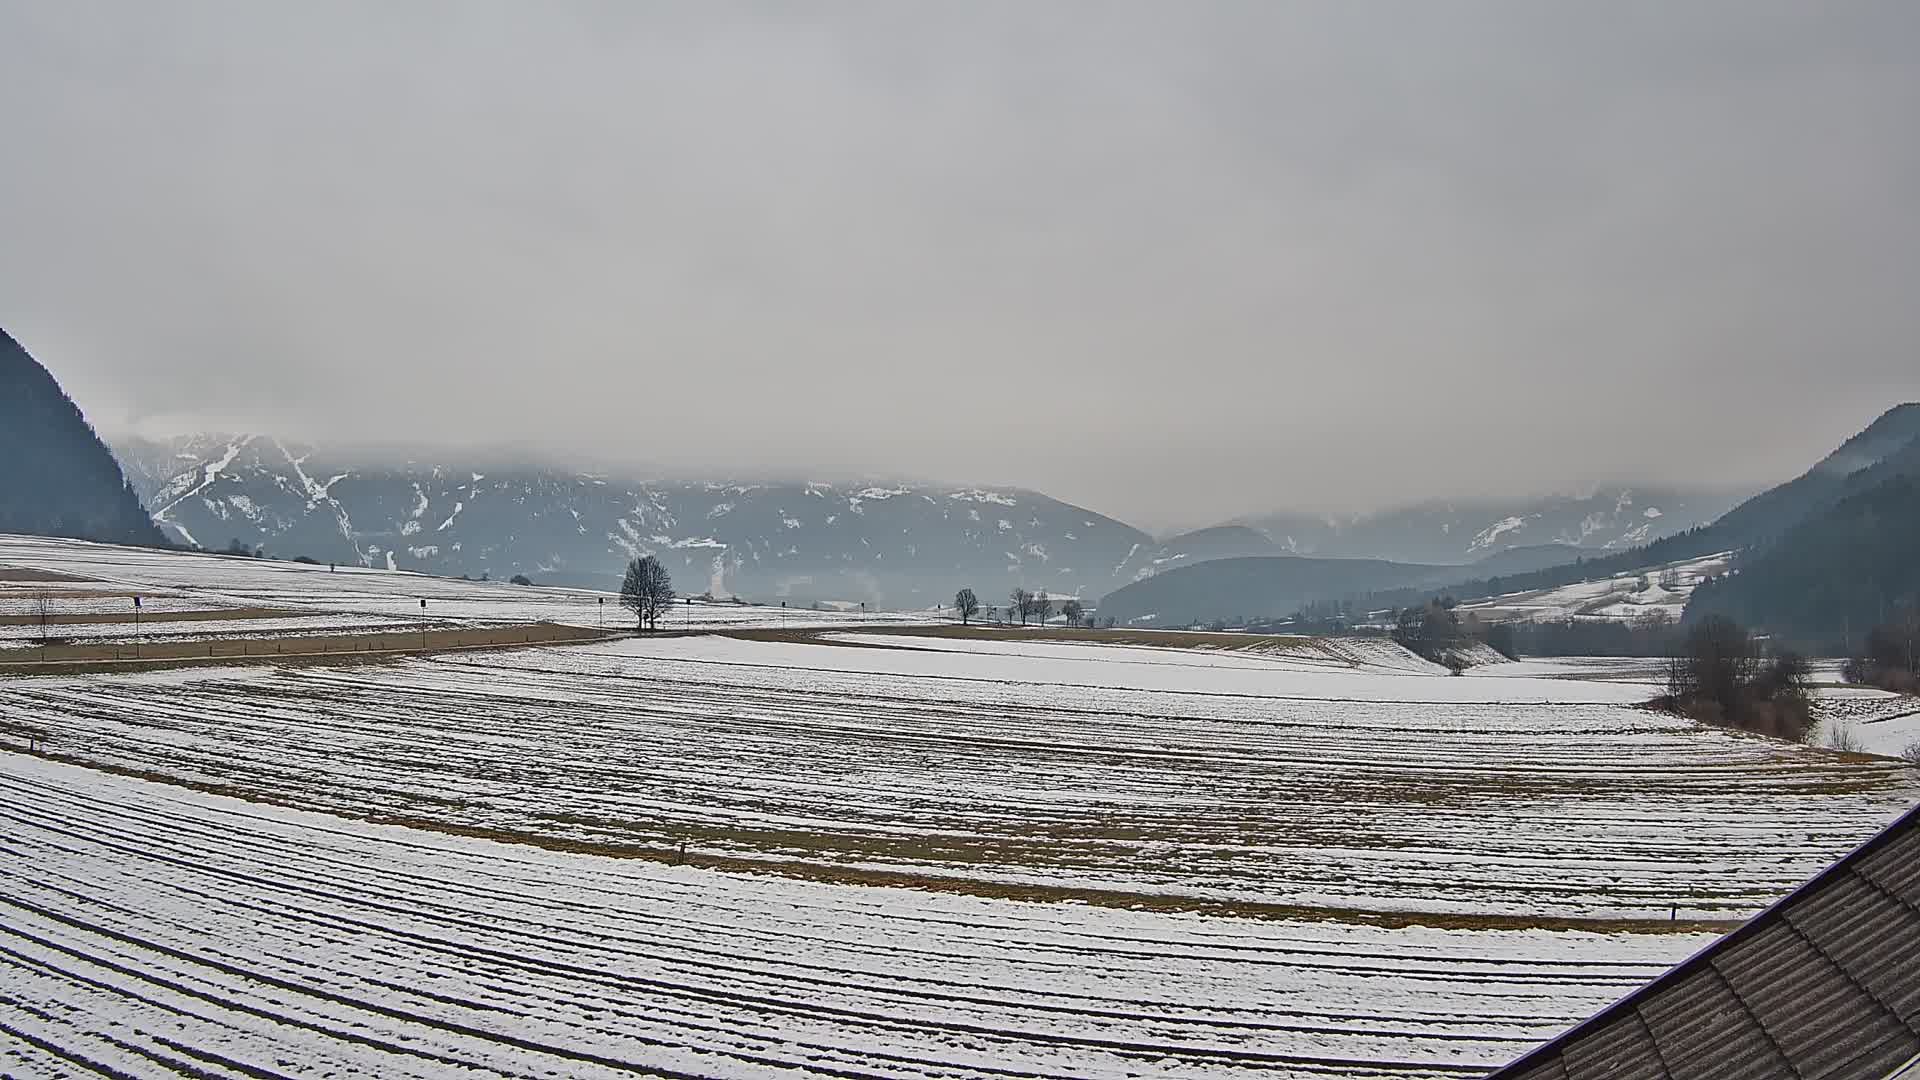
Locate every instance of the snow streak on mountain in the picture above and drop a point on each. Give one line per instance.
(890, 544)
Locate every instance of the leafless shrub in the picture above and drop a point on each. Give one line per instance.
(1841, 737)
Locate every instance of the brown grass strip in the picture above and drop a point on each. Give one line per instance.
(115, 618)
(28, 573)
(1158, 639)
(81, 659)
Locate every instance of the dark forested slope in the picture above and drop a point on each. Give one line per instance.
(1826, 581)
(56, 477)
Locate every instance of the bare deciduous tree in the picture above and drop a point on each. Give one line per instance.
(647, 591)
(966, 604)
(1020, 604)
(1042, 607)
(43, 612)
(1072, 610)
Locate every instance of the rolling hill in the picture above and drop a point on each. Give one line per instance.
(1259, 587)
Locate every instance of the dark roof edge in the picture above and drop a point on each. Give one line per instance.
(1747, 929)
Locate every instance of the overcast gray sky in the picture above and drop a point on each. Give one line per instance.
(1174, 261)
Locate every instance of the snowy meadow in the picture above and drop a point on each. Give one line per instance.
(855, 850)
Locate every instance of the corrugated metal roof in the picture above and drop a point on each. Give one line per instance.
(1824, 985)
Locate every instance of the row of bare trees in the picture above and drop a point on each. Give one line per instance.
(1021, 604)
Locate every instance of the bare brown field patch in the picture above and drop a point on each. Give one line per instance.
(1157, 639)
(127, 618)
(76, 659)
(28, 573)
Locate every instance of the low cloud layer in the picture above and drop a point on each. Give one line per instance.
(1173, 261)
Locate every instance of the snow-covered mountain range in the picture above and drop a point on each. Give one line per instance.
(888, 544)
(1612, 519)
(1452, 534)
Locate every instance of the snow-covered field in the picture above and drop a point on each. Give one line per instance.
(1873, 721)
(1621, 597)
(1863, 718)
(219, 580)
(1178, 775)
(158, 932)
(911, 855)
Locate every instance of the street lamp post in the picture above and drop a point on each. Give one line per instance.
(136, 626)
(423, 624)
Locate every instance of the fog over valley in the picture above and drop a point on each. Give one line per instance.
(1176, 264)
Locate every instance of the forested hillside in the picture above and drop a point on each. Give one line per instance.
(1237, 590)
(56, 477)
(1888, 442)
(1819, 553)
(1834, 576)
